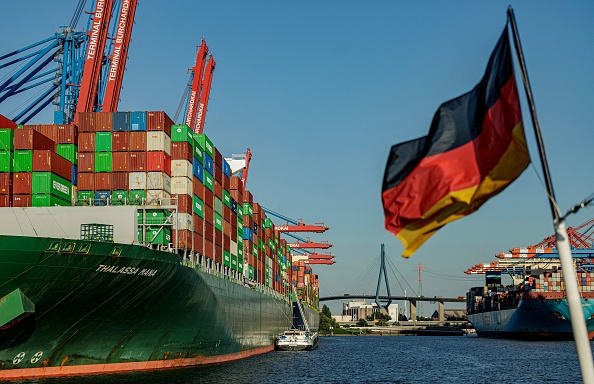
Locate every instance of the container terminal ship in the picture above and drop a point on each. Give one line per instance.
(534, 306)
(127, 242)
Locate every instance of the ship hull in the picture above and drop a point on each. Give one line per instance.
(539, 316)
(124, 307)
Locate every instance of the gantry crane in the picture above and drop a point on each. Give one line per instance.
(204, 95)
(297, 226)
(196, 81)
(303, 243)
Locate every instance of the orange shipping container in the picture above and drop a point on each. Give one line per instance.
(120, 141)
(137, 141)
(120, 161)
(137, 162)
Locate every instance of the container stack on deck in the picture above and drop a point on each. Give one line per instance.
(306, 283)
(142, 158)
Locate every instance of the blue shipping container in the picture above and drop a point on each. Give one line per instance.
(226, 169)
(102, 197)
(233, 206)
(197, 170)
(138, 121)
(208, 163)
(121, 121)
(74, 174)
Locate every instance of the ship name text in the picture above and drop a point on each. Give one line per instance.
(126, 270)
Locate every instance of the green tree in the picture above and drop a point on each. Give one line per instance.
(326, 320)
(362, 323)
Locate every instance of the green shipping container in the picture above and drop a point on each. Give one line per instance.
(198, 206)
(103, 161)
(205, 143)
(49, 183)
(226, 198)
(23, 161)
(182, 133)
(6, 161)
(103, 142)
(198, 152)
(68, 151)
(218, 222)
(119, 197)
(6, 139)
(85, 197)
(156, 216)
(226, 258)
(239, 266)
(233, 262)
(248, 210)
(218, 205)
(137, 196)
(208, 181)
(251, 272)
(47, 200)
(158, 235)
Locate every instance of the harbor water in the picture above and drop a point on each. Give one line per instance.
(379, 359)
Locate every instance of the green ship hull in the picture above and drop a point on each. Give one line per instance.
(72, 307)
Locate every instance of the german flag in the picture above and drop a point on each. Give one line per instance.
(475, 148)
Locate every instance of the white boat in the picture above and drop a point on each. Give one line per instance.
(297, 340)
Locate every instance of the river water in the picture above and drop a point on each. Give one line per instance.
(380, 359)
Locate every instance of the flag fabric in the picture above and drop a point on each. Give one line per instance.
(475, 148)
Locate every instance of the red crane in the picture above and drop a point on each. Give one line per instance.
(310, 244)
(204, 95)
(198, 71)
(119, 56)
(87, 96)
(317, 261)
(244, 173)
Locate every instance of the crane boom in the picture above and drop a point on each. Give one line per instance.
(244, 173)
(197, 73)
(119, 56)
(94, 57)
(298, 226)
(204, 95)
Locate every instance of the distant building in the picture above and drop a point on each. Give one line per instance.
(361, 309)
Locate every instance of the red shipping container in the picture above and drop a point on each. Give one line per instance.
(86, 161)
(183, 238)
(31, 139)
(218, 158)
(120, 161)
(184, 203)
(103, 121)
(226, 183)
(234, 234)
(198, 188)
(138, 141)
(236, 184)
(218, 190)
(218, 175)
(120, 141)
(226, 243)
(208, 214)
(86, 181)
(137, 162)
(218, 254)
(226, 213)
(49, 161)
(21, 183)
(198, 224)
(21, 200)
(208, 249)
(66, 134)
(209, 231)
(46, 130)
(86, 122)
(182, 151)
(208, 198)
(120, 180)
(5, 201)
(7, 123)
(158, 161)
(218, 237)
(86, 142)
(5, 184)
(198, 243)
(158, 121)
(103, 181)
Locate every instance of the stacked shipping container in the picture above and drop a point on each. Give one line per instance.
(142, 158)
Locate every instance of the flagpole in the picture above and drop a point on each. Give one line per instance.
(578, 324)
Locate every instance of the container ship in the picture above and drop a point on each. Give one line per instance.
(534, 306)
(127, 243)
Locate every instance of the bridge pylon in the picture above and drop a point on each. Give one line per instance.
(379, 281)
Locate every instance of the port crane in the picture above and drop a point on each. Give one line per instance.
(240, 163)
(303, 243)
(77, 71)
(196, 74)
(296, 226)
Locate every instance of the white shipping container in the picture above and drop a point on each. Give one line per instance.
(181, 186)
(158, 141)
(154, 196)
(184, 221)
(137, 180)
(181, 168)
(234, 248)
(159, 180)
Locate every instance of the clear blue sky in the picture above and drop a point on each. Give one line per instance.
(320, 91)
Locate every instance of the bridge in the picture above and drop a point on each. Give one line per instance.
(411, 299)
